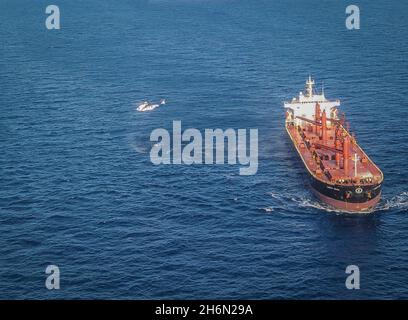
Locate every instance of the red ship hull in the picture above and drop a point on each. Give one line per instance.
(348, 206)
(352, 197)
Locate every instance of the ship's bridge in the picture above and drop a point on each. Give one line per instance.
(304, 105)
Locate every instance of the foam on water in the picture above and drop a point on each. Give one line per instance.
(399, 201)
(396, 202)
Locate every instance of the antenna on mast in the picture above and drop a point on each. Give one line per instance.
(309, 87)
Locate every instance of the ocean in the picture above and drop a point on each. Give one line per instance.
(78, 189)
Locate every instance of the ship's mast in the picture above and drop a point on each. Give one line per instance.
(309, 87)
(355, 164)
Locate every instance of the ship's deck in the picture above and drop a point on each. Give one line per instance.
(320, 157)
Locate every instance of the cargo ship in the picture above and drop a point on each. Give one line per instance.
(339, 171)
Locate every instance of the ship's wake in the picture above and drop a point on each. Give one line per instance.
(396, 202)
(283, 201)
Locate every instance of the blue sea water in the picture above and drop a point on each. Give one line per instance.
(78, 190)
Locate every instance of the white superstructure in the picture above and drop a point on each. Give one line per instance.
(304, 105)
